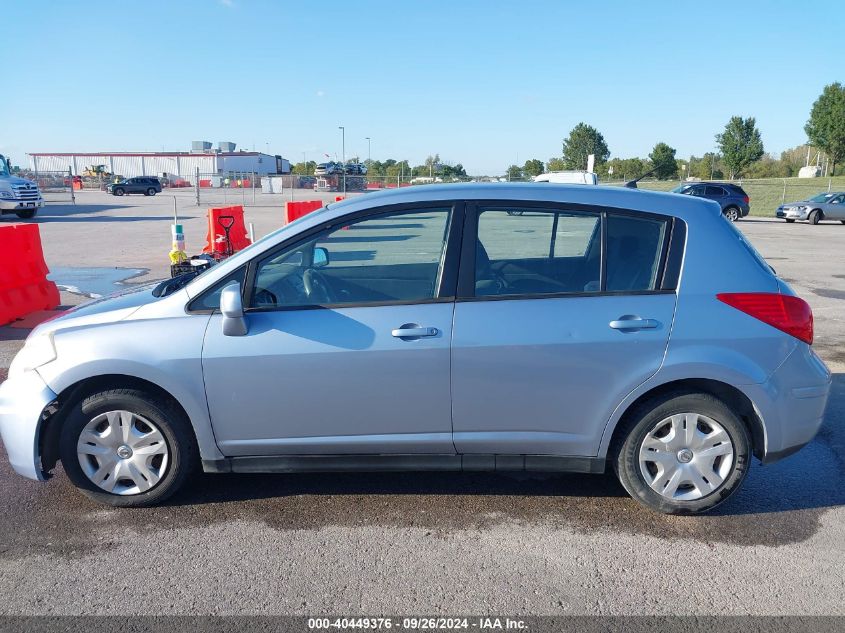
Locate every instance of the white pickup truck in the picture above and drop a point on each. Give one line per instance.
(18, 195)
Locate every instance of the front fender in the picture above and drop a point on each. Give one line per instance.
(138, 349)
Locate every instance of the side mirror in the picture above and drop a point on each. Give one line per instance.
(321, 257)
(232, 308)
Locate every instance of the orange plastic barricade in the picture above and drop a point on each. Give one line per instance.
(24, 287)
(295, 210)
(216, 242)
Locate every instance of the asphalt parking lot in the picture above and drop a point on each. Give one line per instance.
(441, 543)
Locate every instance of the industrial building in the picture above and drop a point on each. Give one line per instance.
(222, 160)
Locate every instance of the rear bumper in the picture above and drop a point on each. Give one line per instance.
(22, 403)
(792, 403)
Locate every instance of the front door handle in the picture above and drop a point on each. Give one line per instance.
(414, 331)
(631, 322)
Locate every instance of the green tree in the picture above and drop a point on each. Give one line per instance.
(514, 172)
(396, 170)
(793, 159)
(584, 140)
(556, 164)
(663, 160)
(826, 127)
(624, 168)
(304, 169)
(432, 163)
(453, 172)
(708, 167)
(533, 167)
(740, 144)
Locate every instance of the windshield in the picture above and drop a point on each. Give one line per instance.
(258, 242)
(4, 167)
(680, 189)
(822, 197)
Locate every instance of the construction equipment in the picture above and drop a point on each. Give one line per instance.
(96, 171)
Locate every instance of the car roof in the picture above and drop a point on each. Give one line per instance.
(620, 197)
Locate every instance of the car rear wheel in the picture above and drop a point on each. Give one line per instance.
(732, 214)
(682, 454)
(127, 448)
(151, 192)
(118, 191)
(815, 216)
(26, 215)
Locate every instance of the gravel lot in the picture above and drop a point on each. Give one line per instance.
(426, 543)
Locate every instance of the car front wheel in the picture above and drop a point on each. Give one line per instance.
(815, 216)
(118, 191)
(26, 215)
(682, 454)
(127, 448)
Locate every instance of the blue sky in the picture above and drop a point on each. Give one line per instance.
(481, 83)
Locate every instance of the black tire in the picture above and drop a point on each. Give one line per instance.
(118, 191)
(843, 221)
(171, 422)
(639, 422)
(815, 216)
(790, 221)
(26, 215)
(151, 192)
(732, 214)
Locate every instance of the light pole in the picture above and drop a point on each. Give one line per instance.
(343, 154)
(369, 151)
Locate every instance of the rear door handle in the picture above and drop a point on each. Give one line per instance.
(414, 332)
(630, 322)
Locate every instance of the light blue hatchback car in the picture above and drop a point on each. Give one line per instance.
(451, 328)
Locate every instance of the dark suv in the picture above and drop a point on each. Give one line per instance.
(732, 198)
(147, 185)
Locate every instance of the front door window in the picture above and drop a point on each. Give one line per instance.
(391, 258)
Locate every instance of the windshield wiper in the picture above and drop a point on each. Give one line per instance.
(169, 286)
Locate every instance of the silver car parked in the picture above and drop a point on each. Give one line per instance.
(457, 327)
(828, 205)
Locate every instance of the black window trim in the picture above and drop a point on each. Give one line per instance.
(447, 282)
(668, 271)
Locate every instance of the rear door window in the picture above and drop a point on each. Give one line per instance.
(714, 192)
(537, 251)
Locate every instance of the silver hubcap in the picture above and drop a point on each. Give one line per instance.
(686, 456)
(122, 453)
(732, 215)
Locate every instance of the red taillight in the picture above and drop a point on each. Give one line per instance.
(785, 312)
(747, 199)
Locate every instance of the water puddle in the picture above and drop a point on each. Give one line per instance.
(93, 282)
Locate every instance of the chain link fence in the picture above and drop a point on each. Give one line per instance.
(55, 186)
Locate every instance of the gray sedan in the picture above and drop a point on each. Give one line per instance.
(828, 205)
